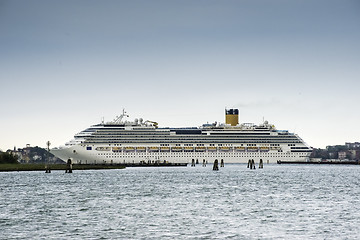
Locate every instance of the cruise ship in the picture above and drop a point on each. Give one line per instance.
(128, 142)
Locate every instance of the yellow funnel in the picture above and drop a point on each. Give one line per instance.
(232, 116)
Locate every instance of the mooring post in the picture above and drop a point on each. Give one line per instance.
(47, 169)
(193, 162)
(261, 164)
(216, 165)
(204, 163)
(197, 161)
(249, 164)
(68, 166)
(253, 163)
(222, 163)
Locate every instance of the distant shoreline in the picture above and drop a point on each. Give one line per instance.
(321, 162)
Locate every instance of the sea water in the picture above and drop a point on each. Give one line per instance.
(276, 202)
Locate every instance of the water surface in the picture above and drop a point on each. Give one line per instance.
(277, 202)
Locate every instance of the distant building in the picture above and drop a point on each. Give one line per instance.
(342, 155)
(336, 148)
(332, 155)
(352, 145)
(354, 154)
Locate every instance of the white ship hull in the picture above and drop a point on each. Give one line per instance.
(80, 155)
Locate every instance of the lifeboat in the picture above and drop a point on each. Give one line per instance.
(153, 149)
(252, 149)
(103, 148)
(176, 149)
(275, 148)
(224, 149)
(212, 149)
(141, 149)
(239, 149)
(189, 149)
(116, 149)
(129, 149)
(164, 149)
(264, 149)
(200, 149)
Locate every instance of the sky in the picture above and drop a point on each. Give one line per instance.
(66, 65)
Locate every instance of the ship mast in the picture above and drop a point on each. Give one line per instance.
(118, 119)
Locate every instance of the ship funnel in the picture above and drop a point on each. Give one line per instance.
(232, 116)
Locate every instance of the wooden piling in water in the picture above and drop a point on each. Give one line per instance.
(261, 164)
(253, 163)
(216, 165)
(47, 169)
(47, 166)
(68, 166)
(222, 163)
(204, 163)
(193, 162)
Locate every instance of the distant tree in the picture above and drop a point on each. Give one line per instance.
(320, 153)
(337, 148)
(8, 158)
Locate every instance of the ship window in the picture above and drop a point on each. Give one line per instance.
(88, 148)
